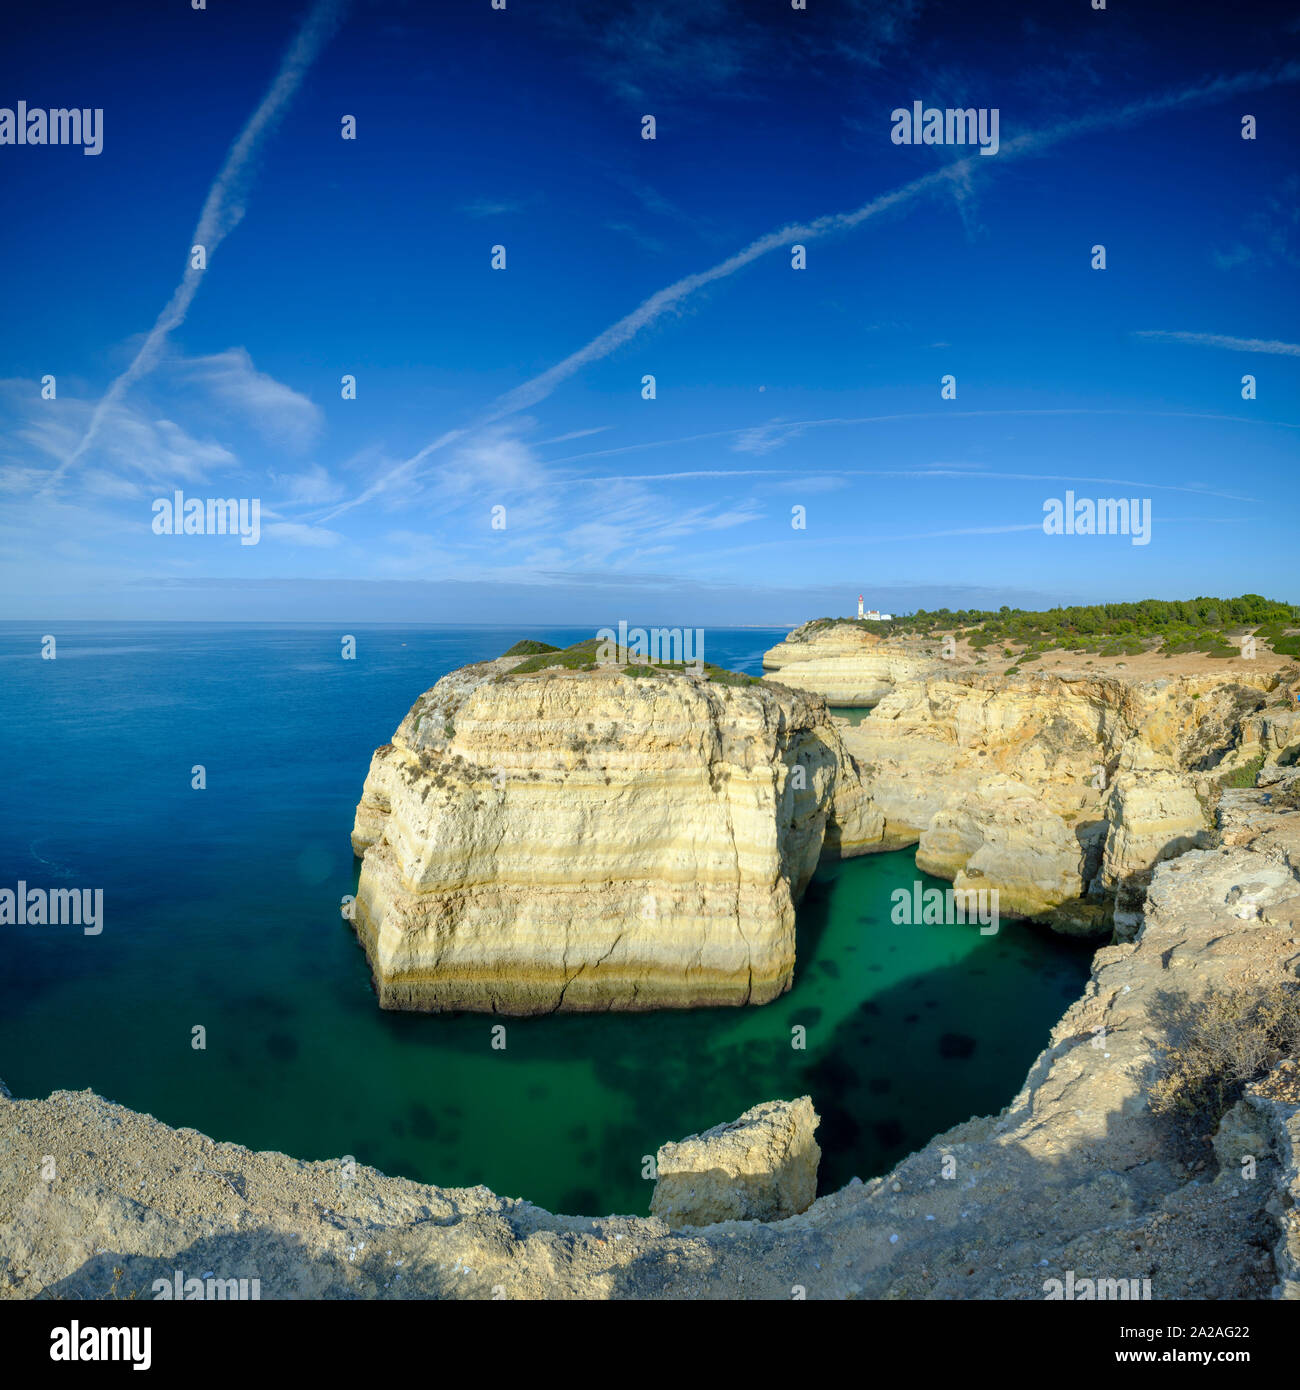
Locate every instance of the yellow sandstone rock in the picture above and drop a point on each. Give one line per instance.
(761, 1167)
(848, 665)
(590, 840)
(1060, 791)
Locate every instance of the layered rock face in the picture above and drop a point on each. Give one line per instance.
(761, 1167)
(1275, 733)
(587, 840)
(849, 666)
(1153, 814)
(999, 837)
(1062, 792)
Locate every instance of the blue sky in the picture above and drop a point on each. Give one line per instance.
(522, 388)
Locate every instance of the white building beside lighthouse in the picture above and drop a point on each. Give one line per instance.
(872, 615)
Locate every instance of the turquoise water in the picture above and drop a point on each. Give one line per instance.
(221, 910)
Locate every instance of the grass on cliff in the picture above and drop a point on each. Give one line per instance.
(579, 657)
(529, 646)
(1244, 776)
(582, 657)
(1218, 1044)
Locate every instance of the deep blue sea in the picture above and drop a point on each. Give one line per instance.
(221, 911)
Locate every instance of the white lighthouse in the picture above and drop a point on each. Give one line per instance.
(871, 615)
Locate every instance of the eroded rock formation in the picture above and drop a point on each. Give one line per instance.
(1063, 792)
(597, 839)
(1076, 1177)
(849, 665)
(761, 1167)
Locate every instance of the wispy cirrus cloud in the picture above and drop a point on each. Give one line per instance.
(621, 520)
(222, 211)
(573, 434)
(644, 241)
(675, 45)
(298, 533)
(966, 474)
(492, 207)
(277, 411)
(312, 487)
(136, 444)
(867, 29)
(498, 457)
(942, 180)
(763, 439)
(1222, 340)
(788, 428)
(1270, 234)
(713, 47)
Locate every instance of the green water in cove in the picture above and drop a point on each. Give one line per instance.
(221, 910)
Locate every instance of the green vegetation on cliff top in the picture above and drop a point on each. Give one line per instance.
(1110, 629)
(529, 646)
(579, 657)
(582, 657)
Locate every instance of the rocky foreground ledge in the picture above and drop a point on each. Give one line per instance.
(1075, 1175)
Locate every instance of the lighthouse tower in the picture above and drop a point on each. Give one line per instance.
(861, 614)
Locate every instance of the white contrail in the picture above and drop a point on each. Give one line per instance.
(976, 475)
(531, 392)
(222, 210)
(800, 425)
(1219, 340)
(539, 387)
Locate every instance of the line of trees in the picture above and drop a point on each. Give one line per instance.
(1198, 624)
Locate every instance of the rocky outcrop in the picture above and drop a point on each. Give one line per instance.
(822, 637)
(855, 683)
(847, 664)
(1002, 837)
(761, 1167)
(1152, 814)
(1075, 1178)
(1274, 734)
(598, 839)
(1064, 791)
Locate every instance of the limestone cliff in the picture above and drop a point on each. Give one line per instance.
(598, 839)
(1152, 814)
(847, 664)
(1062, 791)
